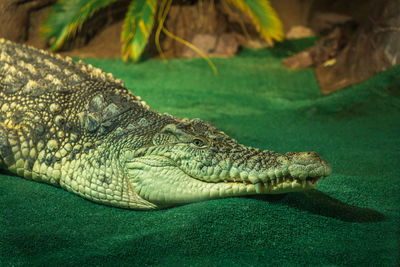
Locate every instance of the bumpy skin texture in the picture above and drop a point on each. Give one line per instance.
(73, 126)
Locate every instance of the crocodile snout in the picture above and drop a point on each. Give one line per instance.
(307, 164)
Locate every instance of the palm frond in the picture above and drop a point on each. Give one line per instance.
(138, 25)
(67, 17)
(263, 17)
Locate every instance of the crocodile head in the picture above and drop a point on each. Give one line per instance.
(191, 161)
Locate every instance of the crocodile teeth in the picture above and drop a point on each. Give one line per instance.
(234, 172)
(258, 187)
(263, 176)
(271, 174)
(296, 184)
(253, 179)
(243, 175)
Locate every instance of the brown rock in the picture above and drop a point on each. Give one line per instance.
(325, 49)
(299, 31)
(227, 45)
(205, 42)
(326, 21)
(211, 45)
(375, 47)
(15, 18)
(105, 44)
(299, 61)
(187, 22)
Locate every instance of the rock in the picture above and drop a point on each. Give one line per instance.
(198, 23)
(299, 31)
(324, 49)
(299, 61)
(205, 42)
(227, 45)
(326, 21)
(15, 17)
(373, 48)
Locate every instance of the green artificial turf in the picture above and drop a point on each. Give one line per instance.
(352, 218)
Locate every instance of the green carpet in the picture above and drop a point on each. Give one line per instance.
(352, 218)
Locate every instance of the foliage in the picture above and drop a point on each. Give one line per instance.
(68, 16)
(138, 25)
(263, 17)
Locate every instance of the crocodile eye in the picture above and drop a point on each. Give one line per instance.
(198, 142)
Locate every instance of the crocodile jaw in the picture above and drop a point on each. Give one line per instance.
(160, 181)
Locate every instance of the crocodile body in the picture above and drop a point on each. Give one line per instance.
(73, 126)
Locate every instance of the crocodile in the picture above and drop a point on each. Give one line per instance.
(71, 125)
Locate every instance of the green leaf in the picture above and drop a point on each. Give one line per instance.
(263, 17)
(138, 25)
(67, 17)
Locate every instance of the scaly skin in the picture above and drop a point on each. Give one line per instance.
(73, 126)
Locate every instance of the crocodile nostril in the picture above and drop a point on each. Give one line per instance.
(305, 158)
